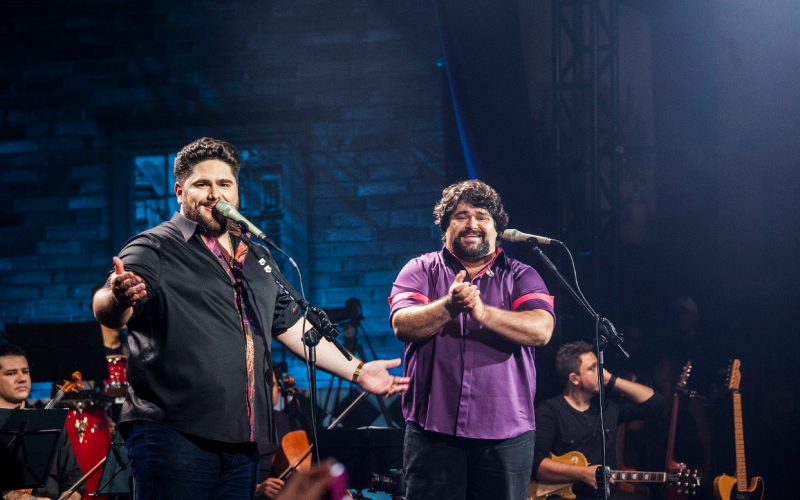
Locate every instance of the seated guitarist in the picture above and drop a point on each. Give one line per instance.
(571, 421)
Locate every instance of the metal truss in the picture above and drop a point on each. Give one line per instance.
(585, 89)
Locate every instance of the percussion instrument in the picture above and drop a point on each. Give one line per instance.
(90, 436)
(117, 383)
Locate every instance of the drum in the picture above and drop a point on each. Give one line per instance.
(90, 437)
(117, 384)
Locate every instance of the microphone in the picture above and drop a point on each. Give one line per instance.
(514, 236)
(230, 212)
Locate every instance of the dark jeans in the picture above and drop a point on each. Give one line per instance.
(443, 467)
(169, 465)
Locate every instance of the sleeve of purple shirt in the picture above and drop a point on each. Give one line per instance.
(412, 287)
(530, 292)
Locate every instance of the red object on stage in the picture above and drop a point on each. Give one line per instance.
(117, 383)
(90, 437)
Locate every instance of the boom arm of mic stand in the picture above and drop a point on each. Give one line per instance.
(316, 316)
(563, 281)
(611, 336)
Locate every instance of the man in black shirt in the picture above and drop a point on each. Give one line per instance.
(15, 387)
(571, 421)
(201, 314)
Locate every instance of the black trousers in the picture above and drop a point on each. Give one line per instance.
(443, 467)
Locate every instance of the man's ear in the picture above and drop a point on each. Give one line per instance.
(574, 378)
(179, 193)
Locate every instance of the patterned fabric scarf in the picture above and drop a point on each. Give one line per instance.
(235, 274)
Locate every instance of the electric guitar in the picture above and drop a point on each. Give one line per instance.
(677, 491)
(726, 487)
(638, 488)
(541, 491)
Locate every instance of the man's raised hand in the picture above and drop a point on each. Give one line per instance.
(126, 287)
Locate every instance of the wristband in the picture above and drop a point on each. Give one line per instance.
(611, 382)
(357, 372)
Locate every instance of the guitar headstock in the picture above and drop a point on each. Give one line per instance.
(733, 375)
(687, 481)
(685, 374)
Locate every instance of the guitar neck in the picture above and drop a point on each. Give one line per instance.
(741, 469)
(627, 476)
(672, 465)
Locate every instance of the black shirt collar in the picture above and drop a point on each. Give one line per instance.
(187, 227)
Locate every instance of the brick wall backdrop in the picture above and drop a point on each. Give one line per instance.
(350, 88)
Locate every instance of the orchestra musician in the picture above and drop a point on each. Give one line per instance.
(201, 315)
(269, 482)
(15, 386)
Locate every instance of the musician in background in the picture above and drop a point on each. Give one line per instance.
(15, 386)
(269, 483)
(571, 421)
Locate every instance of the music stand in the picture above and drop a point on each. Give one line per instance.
(115, 478)
(55, 350)
(28, 445)
(364, 451)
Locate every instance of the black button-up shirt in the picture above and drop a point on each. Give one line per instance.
(187, 365)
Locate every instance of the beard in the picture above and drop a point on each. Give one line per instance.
(214, 227)
(471, 253)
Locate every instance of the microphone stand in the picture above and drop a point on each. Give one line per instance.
(322, 326)
(609, 335)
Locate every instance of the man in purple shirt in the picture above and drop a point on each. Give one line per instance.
(470, 318)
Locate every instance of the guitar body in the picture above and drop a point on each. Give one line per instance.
(538, 491)
(725, 488)
(541, 491)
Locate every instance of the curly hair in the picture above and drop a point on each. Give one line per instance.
(568, 359)
(201, 150)
(9, 349)
(476, 193)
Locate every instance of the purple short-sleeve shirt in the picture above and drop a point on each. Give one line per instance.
(467, 380)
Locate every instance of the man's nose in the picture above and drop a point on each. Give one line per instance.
(215, 193)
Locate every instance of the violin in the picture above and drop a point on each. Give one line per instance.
(295, 454)
(298, 449)
(288, 386)
(65, 388)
